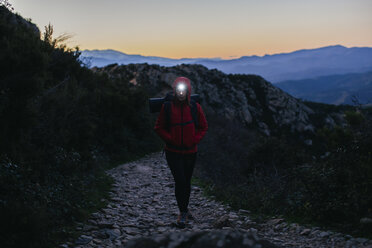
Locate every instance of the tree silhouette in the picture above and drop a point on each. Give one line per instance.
(56, 42)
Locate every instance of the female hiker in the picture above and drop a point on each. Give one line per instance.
(181, 139)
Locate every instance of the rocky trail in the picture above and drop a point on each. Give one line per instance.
(143, 209)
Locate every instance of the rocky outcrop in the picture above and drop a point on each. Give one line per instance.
(249, 99)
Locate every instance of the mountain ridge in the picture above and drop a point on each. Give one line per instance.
(332, 89)
(299, 64)
(243, 56)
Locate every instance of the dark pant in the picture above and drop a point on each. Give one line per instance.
(181, 166)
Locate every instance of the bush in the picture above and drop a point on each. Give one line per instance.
(354, 118)
(279, 175)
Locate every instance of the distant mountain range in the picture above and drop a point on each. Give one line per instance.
(335, 89)
(301, 64)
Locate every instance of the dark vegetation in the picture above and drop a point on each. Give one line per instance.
(327, 184)
(61, 125)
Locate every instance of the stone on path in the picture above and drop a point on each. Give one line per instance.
(202, 239)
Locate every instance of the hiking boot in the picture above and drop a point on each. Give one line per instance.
(182, 219)
(189, 215)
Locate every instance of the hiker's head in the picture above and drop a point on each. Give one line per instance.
(182, 89)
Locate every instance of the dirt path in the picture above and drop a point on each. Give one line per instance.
(143, 204)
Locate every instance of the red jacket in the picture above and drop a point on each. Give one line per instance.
(181, 135)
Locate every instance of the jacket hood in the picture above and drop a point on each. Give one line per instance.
(187, 82)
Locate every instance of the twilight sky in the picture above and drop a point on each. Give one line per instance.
(204, 28)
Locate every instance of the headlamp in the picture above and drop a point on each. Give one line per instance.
(181, 87)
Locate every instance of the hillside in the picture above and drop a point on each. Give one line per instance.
(335, 89)
(248, 99)
(61, 127)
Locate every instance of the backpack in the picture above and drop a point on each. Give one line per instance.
(167, 110)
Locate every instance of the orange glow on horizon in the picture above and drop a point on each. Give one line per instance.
(196, 29)
(218, 53)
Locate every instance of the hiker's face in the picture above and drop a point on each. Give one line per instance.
(181, 91)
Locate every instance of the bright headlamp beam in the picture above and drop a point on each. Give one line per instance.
(181, 87)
